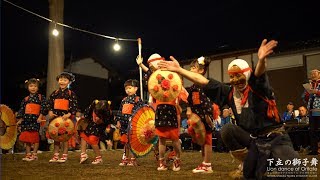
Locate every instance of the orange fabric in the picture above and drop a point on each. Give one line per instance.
(91, 139)
(127, 108)
(216, 110)
(124, 138)
(72, 142)
(183, 95)
(29, 137)
(208, 140)
(168, 132)
(32, 108)
(272, 107)
(43, 123)
(245, 95)
(272, 110)
(61, 104)
(195, 98)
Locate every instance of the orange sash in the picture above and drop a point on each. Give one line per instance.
(61, 104)
(195, 98)
(32, 108)
(127, 108)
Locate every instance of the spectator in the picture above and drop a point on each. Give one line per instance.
(222, 120)
(289, 113)
(313, 99)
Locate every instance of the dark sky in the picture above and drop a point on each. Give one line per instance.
(179, 28)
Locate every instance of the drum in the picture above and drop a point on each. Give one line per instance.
(164, 86)
(61, 130)
(196, 129)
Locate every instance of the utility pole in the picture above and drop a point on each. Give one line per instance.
(56, 45)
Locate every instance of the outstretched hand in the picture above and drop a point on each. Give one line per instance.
(266, 48)
(172, 65)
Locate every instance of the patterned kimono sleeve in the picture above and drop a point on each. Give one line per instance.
(21, 109)
(44, 107)
(139, 102)
(88, 112)
(73, 103)
(50, 101)
(119, 114)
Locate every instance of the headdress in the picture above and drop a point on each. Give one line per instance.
(243, 65)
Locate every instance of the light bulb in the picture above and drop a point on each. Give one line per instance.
(55, 32)
(116, 47)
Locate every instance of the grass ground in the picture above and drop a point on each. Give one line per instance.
(12, 167)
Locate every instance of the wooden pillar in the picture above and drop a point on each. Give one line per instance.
(56, 45)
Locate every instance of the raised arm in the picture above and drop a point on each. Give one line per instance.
(175, 67)
(266, 48)
(139, 61)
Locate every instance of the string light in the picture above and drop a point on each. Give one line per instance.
(116, 46)
(55, 31)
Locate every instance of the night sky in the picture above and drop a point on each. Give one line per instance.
(182, 29)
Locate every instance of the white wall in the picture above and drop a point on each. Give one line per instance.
(215, 70)
(186, 82)
(89, 67)
(312, 61)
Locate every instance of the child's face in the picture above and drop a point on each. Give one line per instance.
(225, 113)
(63, 82)
(131, 90)
(33, 88)
(290, 107)
(195, 68)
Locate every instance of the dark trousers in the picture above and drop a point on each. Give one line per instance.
(234, 137)
(314, 122)
(299, 137)
(219, 146)
(259, 149)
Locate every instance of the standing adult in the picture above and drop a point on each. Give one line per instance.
(313, 99)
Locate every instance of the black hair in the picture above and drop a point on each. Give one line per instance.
(131, 82)
(67, 75)
(102, 109)
(32, 81)
(204, 66)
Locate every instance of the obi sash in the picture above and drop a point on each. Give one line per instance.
(195, 98)
(61, 104)
(32, 108)
(127, 108)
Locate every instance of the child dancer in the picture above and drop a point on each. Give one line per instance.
(62, 102)
(202, 106)
(30, 114)
(128, 105)
(167, 120)
(99, 115)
